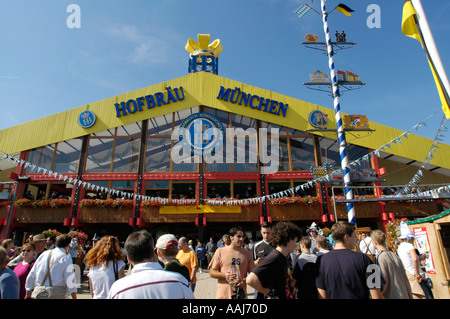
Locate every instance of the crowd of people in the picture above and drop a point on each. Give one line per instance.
(285, 264)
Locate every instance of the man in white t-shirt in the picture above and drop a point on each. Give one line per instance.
(61, 270)
(410, 260)
(148, 280)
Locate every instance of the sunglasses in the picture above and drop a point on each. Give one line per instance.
(27, 250)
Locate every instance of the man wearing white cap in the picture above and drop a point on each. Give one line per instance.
(167, 250)
(313, 231)
(407, 253)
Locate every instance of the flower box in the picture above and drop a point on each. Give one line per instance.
(107, 203)
(294, 200)
(42, 203)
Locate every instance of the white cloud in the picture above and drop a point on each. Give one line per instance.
(8, 77)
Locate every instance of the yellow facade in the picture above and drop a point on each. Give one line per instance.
(203, 88)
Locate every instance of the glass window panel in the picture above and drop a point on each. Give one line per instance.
(157, 156)
(38, 190)
(245, 154)
(278, 186)
(126, 155)
(157, 189)
(100, 183)
(106, 133)
(247, 189)
(270, 157)
(283, 155)
(41, 157)
(133, 129)
(302, 153)
(330, 154)
(297, 132)
(217, 167)
(161, 125)
(306, 191)
(59, 191)
(183, 190)
(217, 161)
(269, 126)
(185, 167)
(123, 185)
(242, 121)
(99, 155)
(246, 167)
(158, 184)
(218, 189)
(357, 152)
(183, 114)
(93, 193)
(67, 156)
(221, 115)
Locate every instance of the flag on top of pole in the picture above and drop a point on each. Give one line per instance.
(302, 10)
(415, 25)
(342, 8)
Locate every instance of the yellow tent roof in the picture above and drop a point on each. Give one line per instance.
(203, 88)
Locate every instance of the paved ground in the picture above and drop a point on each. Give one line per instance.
(206, 287)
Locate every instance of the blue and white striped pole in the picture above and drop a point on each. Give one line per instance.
(337, 112)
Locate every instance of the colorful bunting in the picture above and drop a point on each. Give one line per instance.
(426, 164)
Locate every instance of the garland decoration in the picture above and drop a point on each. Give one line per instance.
(127, 198)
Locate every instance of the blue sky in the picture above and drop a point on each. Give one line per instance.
(121, 46)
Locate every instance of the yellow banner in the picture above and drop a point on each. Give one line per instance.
(200, 209)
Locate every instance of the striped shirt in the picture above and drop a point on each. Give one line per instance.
(150, 281)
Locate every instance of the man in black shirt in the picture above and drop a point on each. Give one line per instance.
(270, 277)
(262, 249)
(343, 273)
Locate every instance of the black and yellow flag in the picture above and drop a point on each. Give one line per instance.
(344, 9)
(414, 27)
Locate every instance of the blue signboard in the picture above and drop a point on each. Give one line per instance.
(86, 119)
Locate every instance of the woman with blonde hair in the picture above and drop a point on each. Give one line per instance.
(106, 265)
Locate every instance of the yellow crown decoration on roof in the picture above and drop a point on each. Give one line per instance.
(203, 47)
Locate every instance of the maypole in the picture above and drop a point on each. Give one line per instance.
(339, 124)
